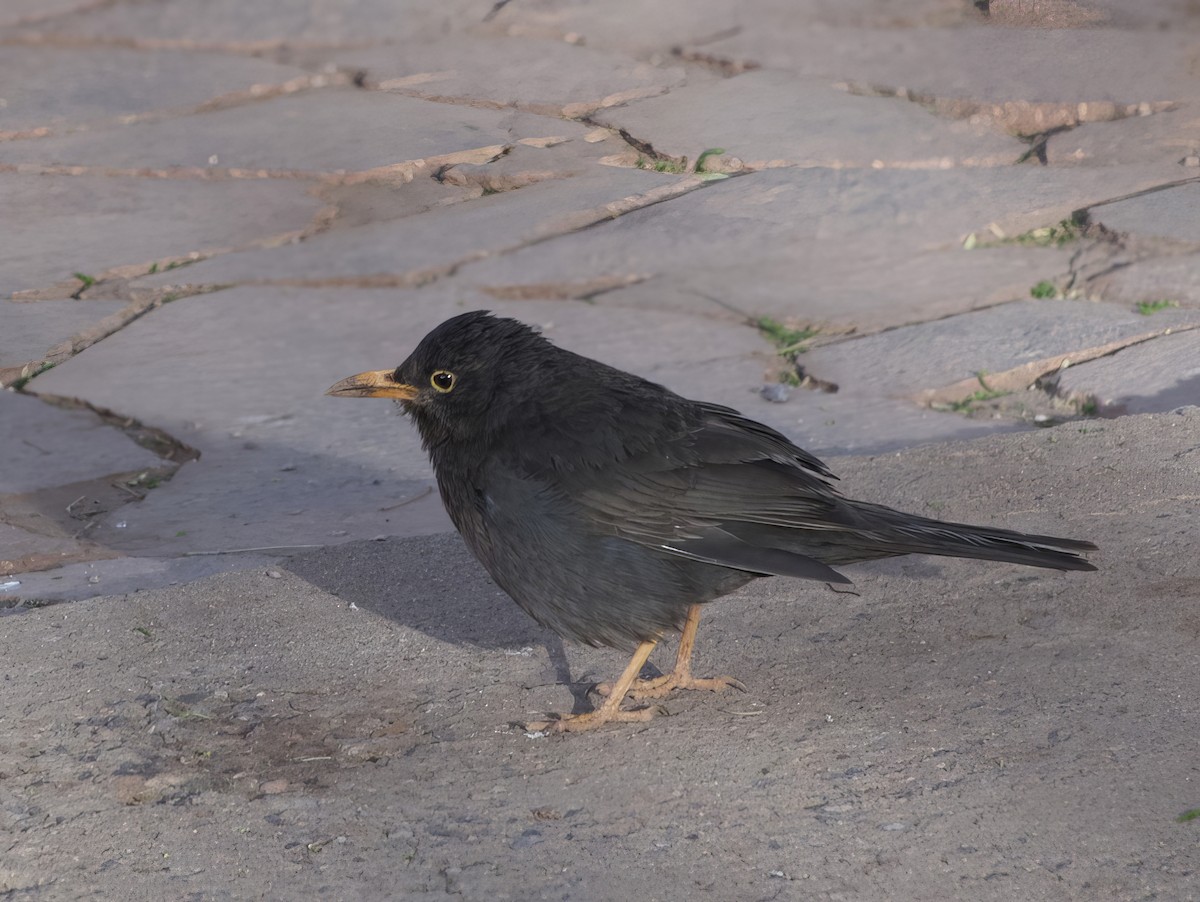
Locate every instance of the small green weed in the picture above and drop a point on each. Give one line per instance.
(1043, 289)
(86, 282)
(789, 344)
(675, 167)
(1145, 308)
(788, 341)
(1057, 235)
(711, 152)
(22, 381)
(1048, 236)
(1190, 815)
(983, 393)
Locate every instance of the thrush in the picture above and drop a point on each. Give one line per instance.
(612, 509)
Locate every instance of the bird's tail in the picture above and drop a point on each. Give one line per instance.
(900, 533)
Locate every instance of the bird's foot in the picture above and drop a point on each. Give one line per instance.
(662, 686)
(579, 723)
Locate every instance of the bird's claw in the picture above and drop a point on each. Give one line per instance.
(662, 686)
(578, 723)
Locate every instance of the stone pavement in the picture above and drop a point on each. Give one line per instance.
(874, 225)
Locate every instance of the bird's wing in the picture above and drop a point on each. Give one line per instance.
(730, 492)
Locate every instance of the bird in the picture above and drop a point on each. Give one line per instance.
(612, 509)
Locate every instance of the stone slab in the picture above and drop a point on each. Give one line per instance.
(877, 210)
(235, 24)
(1152, 377)
(413, 249)
(361, 706)
(31, 329)
(904, 362)
(1170, 136)
(855, 247)
(44, 446)
(1172, 278)
(1170, 213)
(978, 62)
(847, 287)
(307, 132)
(75, 86)
(768, 117)
(88, 224)
(28, 11)
(541, 75)
(703, 23)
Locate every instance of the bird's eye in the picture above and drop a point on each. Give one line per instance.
(442, 380)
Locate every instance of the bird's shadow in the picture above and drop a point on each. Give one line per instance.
(434, 585)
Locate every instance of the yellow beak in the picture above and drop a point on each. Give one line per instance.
(375, 384)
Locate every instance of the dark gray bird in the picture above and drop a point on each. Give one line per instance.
(611, 509)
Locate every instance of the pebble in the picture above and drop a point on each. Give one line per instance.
(776, 392)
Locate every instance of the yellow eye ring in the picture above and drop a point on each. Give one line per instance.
(443, 380)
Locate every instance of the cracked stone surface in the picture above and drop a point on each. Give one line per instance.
(348, 130)
(553, 77)
(93, 223)
(30, 328)
(78, 86)
(1171, 136)
(1156, 279)
(407, 249)
(1153, 376)
(931, 355)
(1170, 213)
(811, 124)
(39, 446)
(987, 65)
(272, 670)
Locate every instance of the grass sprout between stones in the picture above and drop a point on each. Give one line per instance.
(981, 394)
(1043, 289)
(1048, 236)
(1063, 232)
(674, 167)
(20, 382)
(1145, 308)
(87, 282)
(789, 344)
(704, 155)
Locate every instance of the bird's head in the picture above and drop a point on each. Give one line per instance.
(454, 381)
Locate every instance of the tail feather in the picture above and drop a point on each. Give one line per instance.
(899, 533)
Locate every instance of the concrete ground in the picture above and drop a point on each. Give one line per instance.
(951, 247)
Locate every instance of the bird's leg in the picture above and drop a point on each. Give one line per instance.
(681, 677)
(611, 709)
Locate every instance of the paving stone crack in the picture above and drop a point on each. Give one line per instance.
(254, 94)
(566, 225)
(1016, 117)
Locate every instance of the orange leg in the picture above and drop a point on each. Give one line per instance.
(681, 677)
(611, 710)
